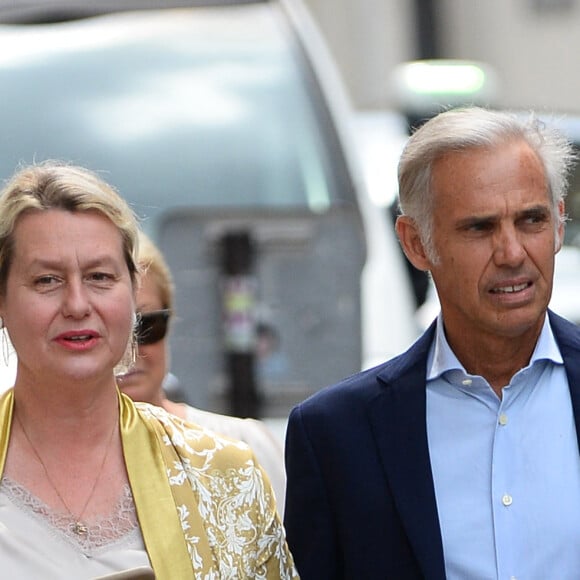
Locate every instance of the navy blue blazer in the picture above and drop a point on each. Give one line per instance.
(360, 500)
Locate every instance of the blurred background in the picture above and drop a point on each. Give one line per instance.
(258, 141)
(529, 43)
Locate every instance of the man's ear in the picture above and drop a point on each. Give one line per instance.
(411, 242)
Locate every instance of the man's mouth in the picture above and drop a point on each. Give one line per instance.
(511, 289)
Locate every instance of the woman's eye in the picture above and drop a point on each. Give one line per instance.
(101, 277)
(45, 280)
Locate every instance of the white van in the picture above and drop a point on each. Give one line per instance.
(216, 121)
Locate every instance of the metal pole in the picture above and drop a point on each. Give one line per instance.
(427, 29)
(238, 295)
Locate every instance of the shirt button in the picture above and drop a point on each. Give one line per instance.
(503, 419)
(466, 382)
(507, 500)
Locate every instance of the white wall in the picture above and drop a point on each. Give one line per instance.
(367, 38)
(534, 51)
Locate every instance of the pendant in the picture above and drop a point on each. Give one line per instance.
(79, 528)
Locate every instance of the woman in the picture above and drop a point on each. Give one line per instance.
(144, 381)
(91, 482)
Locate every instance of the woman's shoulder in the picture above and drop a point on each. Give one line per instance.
(235, 427)
(194, 438)
(214, 461)
(229, 488)
(251, 431)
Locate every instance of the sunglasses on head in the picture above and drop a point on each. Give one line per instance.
(152, 326)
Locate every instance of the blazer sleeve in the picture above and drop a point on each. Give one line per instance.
(308, 518)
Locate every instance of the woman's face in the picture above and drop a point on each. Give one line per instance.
(69, 297)
(144, 381)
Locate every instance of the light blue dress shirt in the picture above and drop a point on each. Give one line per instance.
(506, 472)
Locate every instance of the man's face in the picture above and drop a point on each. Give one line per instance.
(494, 233)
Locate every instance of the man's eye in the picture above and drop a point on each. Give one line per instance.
(536, 219)
(479, 226)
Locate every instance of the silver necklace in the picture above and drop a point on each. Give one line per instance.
(78, 527)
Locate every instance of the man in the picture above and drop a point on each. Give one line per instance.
(458, 459)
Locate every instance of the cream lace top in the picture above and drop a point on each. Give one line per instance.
(38, 542)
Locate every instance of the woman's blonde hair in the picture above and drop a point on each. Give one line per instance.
(56, 185)
(152, 263)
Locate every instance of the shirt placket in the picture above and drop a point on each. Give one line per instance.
(503, 497)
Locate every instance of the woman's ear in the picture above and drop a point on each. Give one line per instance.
(411, 242)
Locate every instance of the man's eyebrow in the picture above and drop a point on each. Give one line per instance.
(537, 210)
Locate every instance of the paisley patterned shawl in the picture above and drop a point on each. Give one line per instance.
(205, 507)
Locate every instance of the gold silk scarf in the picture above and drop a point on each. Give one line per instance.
(154, 500)
(206, 510)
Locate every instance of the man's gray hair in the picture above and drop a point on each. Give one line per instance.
(462, 129)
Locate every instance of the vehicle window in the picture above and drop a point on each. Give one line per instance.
(156, 106)
(208, 120)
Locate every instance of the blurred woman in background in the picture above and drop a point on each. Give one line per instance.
(144, 381)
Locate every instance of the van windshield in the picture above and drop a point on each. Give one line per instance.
(207, 120)
(177, 108)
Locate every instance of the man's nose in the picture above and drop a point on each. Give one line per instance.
(508, 248)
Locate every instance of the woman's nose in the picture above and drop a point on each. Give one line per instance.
(76, 302)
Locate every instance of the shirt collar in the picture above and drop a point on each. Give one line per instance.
(442, 359)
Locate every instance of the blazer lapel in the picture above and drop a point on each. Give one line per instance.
(568, 337)
(398, 420)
